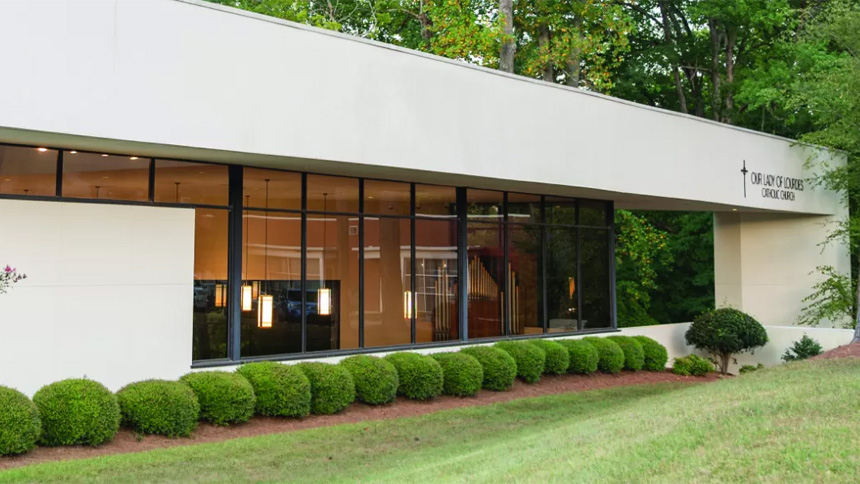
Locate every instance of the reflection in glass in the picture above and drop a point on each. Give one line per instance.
(486, 277)
(485, 205)
(436, 267)
(436, 201)
(192, 183)
(524, 298)
(332, 266)
(28, 171)
(284, 189)
(105, 177)
(523, 208)
(561, 211)
(272, 261)
(561, 291)
(595, 278)
(386, 280)
(592, 213)
(387, 198)
(210, 271)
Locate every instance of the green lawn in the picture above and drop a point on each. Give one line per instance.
(796, 423)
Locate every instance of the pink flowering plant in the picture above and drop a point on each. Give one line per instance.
(8, 276)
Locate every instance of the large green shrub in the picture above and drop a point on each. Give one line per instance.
(583, 356)
(462, 374)
(159, 407)
(225, 398)
(281, 390)
(725, 332)
(420, 376)
(77, 411)
(332, 387)
(656, 355)
(692, 365)
(499, 367)
(803, 349)
(530, 359)
(611, 356)
(557, 357)
(634, 355)
(19, 422)
(375, 379)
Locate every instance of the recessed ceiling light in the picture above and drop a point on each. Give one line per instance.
(133, 158)
(42, 150)
(8, 179)
(73, 152)
(105, 177)
(734, 210)
(104, 155)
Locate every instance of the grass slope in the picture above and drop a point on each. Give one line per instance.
(798, 422)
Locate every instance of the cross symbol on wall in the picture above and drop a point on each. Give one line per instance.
(745, 171)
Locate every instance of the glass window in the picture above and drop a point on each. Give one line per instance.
(436, 201)
(387, 285)
(596, 300)
(105, 177)
(523, 208)
(592, 213)
(561, 291)
(525, 298)
(560, 211)
(332, 194)
(485, 205)
(210, 284)
(284, 189)
(486, 279)
(387, 198)
(272, 271)
(436, 266)
(192, 183)
(28, 171)
(332, 267)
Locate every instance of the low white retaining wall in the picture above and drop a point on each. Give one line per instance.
(780, 338)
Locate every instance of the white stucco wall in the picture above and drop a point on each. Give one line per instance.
(193, 79)
(108, 293)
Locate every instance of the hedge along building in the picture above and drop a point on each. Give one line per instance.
(189, 185)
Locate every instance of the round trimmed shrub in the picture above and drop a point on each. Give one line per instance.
(332, 387)
(530, 359)
(77, 411)
(557, 357)
(692, 365)
(634, 355)
(19, 422)
(656, 355)
(281, 390)
(725, 332)
(375, 379)
(462, 374)
(225, 398)
(583, 356)
(420, 376)
(499, 367)
(159, 407)
(610, 355)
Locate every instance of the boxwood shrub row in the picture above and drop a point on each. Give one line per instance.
(84, 412)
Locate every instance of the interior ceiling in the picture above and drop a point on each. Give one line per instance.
(125, 149)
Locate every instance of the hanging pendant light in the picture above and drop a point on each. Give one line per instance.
(247, 298)
(220, 295)
(247, 295)
(265, 302)
(407, 305)
(324, 301)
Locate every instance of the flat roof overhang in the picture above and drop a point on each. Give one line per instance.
(193, 80)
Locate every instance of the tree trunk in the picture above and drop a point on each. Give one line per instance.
(731, 40)
(716, 48)
(543, 42)
(667, 37)
(574, 70)
(724, 363)
(509, 46)
(856, 337)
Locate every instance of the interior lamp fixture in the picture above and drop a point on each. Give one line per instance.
(247, 298)
(42, 150)
(265, 307)
(407, 305)
(73, 152)
(255, 288)
(133, 158)
(324, 301)
(571, 287)
(220, 295)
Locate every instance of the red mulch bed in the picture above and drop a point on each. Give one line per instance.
(126, 441)
(846, 351)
